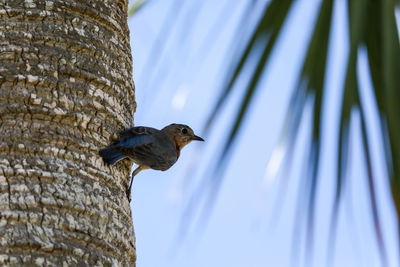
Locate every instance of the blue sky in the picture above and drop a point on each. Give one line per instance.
(251, 223)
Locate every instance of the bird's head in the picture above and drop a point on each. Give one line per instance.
(182, 134)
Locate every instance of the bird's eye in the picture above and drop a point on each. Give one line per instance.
(184, 131)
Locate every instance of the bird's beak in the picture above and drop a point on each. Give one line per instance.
(197, 138)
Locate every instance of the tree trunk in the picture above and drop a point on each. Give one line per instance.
(65, 90)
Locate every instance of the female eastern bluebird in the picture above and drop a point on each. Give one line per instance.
(150, 148)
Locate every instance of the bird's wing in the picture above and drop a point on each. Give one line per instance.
(147, 154)
(135, 131)
(142, 145)
(133, 141)
(133, 137)
(153, 157)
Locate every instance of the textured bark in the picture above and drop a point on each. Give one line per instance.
(65, 90)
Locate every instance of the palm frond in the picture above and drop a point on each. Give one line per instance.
(391, 89)
(136, 5)
(265, 35)
(312, 79)
(382, 45)
(157, 50)
(356, 10)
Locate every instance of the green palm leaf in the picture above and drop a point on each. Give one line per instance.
(371, 24)
(265, 36)
(136, 5)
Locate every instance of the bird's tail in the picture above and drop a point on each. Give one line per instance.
(110, 156)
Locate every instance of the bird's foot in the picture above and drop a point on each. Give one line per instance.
(128, 194)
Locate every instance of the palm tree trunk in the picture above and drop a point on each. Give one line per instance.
(65, 90)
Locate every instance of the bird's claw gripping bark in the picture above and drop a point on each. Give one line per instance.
(128, 194)
(128, 191)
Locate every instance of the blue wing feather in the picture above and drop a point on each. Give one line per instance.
(134, 141)
(146, 146)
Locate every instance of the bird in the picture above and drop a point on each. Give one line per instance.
(149, 148)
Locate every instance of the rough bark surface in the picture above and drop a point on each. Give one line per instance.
(65, 90)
